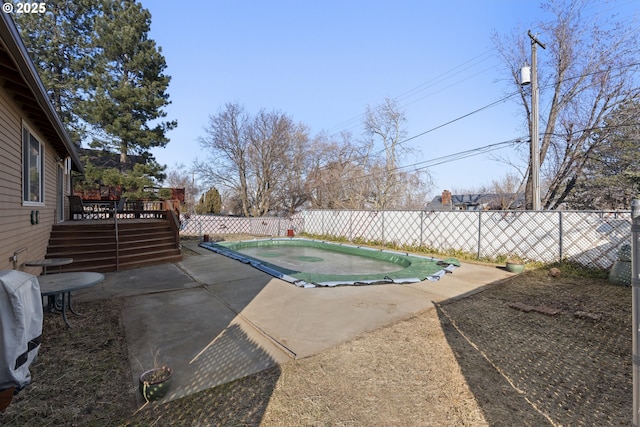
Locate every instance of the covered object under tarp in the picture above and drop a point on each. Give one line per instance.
(20, 327)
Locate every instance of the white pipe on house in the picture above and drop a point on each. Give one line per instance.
(635, 283)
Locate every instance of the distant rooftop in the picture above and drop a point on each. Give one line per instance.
(476, 202)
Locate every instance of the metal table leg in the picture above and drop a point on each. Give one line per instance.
(71, 306)
(64, 309)
(54, 303)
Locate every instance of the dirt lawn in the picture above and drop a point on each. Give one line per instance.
(533, 350)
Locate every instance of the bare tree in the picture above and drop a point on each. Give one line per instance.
(227, 163)
(252, 158)
(292, 191)
(505, 191)
(585, 72)
(180, 177)
(336, 178)
(417, 186)
(274, 141)
(384, 123)
(267, 164)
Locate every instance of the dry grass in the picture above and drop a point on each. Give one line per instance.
(404, 374)
(567, 369)
(81, 375)
(474, 361)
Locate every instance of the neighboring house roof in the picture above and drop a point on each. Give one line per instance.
(476, 201)
(20, 78)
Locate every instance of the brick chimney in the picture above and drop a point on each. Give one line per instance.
(446, 198)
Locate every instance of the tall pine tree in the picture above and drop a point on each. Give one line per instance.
(130, 84)
(62, 43)
(104, 75)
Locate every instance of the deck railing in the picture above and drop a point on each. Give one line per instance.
(173, 215)
(139, 209)
(134, 209)
(115, 222)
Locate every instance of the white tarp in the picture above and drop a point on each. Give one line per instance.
(20, 325)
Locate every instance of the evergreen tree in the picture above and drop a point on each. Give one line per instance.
(104, 75)
(62, 43)
(610, 179)
(130, 87)
(210, 202)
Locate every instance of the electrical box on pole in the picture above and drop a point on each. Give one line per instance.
(525, 75)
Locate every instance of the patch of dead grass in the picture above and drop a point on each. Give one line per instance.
(403, 374)
(570, 370)
(81, 375)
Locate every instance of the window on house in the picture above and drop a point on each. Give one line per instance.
(32, 168)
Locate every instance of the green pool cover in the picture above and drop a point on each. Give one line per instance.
(314, 263)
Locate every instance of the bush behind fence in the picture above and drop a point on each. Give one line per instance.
(589, 238)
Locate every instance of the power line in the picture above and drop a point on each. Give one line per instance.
(415, 167)
(467, 153)
(460, 117)
(445, 76)
(421, 87)
(484, 56)
(472, 152)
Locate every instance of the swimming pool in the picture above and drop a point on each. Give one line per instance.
(311, 263)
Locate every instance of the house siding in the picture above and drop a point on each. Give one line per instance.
(28, 241)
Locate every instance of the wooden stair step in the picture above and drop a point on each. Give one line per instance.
(93, 246)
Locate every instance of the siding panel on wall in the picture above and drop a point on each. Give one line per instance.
(18, 234)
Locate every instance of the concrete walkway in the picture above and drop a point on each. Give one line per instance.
(214, 320)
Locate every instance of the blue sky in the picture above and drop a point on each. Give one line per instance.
(323, 62)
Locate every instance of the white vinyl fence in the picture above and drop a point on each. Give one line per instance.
(589, 238)
(214, 225)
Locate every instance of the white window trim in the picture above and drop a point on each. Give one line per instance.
(25, 175)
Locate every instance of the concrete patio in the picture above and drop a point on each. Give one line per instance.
(214, 320)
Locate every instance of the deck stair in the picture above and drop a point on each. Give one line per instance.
(92, 244)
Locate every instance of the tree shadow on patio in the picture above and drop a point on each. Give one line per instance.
(238, 402)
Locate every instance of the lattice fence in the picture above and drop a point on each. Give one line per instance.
(212, 225)
(589, 238)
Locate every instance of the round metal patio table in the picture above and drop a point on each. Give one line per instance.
(48, 262)
(54, 285)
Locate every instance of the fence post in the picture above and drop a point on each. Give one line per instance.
(635, 283)
(479, 232)
(560, 237)
(381, 226)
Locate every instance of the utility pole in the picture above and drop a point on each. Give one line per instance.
(535, 134)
